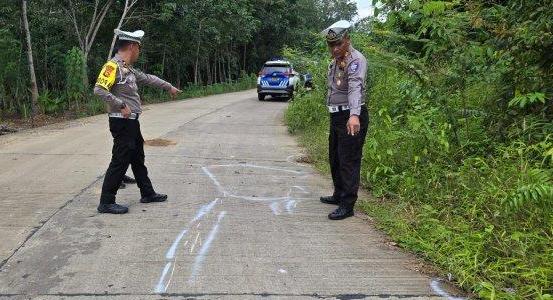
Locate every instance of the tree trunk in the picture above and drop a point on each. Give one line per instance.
(163, 63)
(208, 69)
(221, 76)
(125, 11)
(229, 74)
(244, 66)
(34, 89)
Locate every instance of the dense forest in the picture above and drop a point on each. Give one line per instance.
(460, 145)
(187, 42)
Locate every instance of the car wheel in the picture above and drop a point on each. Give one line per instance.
(261, 97)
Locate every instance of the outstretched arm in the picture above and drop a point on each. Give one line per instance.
(152, 80)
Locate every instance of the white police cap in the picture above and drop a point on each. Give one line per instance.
(135, 36)
(336, 31)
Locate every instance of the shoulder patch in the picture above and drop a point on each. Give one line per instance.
(353, 67)
(106, 78)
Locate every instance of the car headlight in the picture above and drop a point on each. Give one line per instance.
(259, 80)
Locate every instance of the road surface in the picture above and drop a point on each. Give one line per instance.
(243, 220)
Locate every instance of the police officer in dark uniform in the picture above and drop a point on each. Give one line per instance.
(117, 84)
(348, 118)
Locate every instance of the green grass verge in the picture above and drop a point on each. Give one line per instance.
(450, 213)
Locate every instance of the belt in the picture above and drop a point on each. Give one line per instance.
(133, 116)
(338, 108)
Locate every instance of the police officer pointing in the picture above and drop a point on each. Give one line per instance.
(117, 84)
(348, 118)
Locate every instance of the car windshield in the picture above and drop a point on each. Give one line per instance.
(277, 69)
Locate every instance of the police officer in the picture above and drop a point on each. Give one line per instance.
(117, 84)
(348, 118)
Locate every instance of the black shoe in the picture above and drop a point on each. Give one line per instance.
(330, 200)
(127, 179)
(154, 198)
(122, 186)
(112, 209)
(341, 213)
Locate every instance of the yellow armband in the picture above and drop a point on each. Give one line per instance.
(106, 79)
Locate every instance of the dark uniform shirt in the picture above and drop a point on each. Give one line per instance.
(118, 83)
(346, 81)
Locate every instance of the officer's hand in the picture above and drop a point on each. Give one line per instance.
(353, 125)
(126, 111)
(174, 91)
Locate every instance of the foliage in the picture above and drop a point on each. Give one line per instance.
(201, 42)
(75, 72)
(459, 150)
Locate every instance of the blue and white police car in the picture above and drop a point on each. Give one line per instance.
(277, 78)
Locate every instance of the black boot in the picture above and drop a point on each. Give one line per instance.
(154, 198)
(329, 200)
(112, 208)
(127, 179)
(341, 213)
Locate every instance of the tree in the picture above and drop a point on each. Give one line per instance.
(34, 88)
(128, 6)
(86, 37)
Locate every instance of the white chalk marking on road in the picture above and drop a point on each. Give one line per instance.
(161, 288)
(435, 284)
(204, 210)
(274, 207)
(173, 249)
(194, 244)
(163, 284)
(290, 206)
(258, 198)
(301, 188)
(217, 184)
(200, 257)
(259, 167)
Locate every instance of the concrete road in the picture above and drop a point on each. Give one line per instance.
(243, 220)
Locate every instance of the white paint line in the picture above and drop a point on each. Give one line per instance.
(290, 206)
(282, 271)
(217, 184)
(258, 167)
(161, 288)
(204, 210)
(301, 188)
(274, 208)
(171, 252)
(205, 248)
(173, 249)
(194, 244)
(435, 284)
(173, 270)
(259, 198)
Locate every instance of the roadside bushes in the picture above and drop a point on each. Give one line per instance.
(461, 168)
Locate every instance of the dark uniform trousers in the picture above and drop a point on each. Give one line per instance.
(345, 152)
(128, 148)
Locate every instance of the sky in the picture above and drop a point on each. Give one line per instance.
(364, 8)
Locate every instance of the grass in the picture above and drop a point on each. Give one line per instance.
(451, 212)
